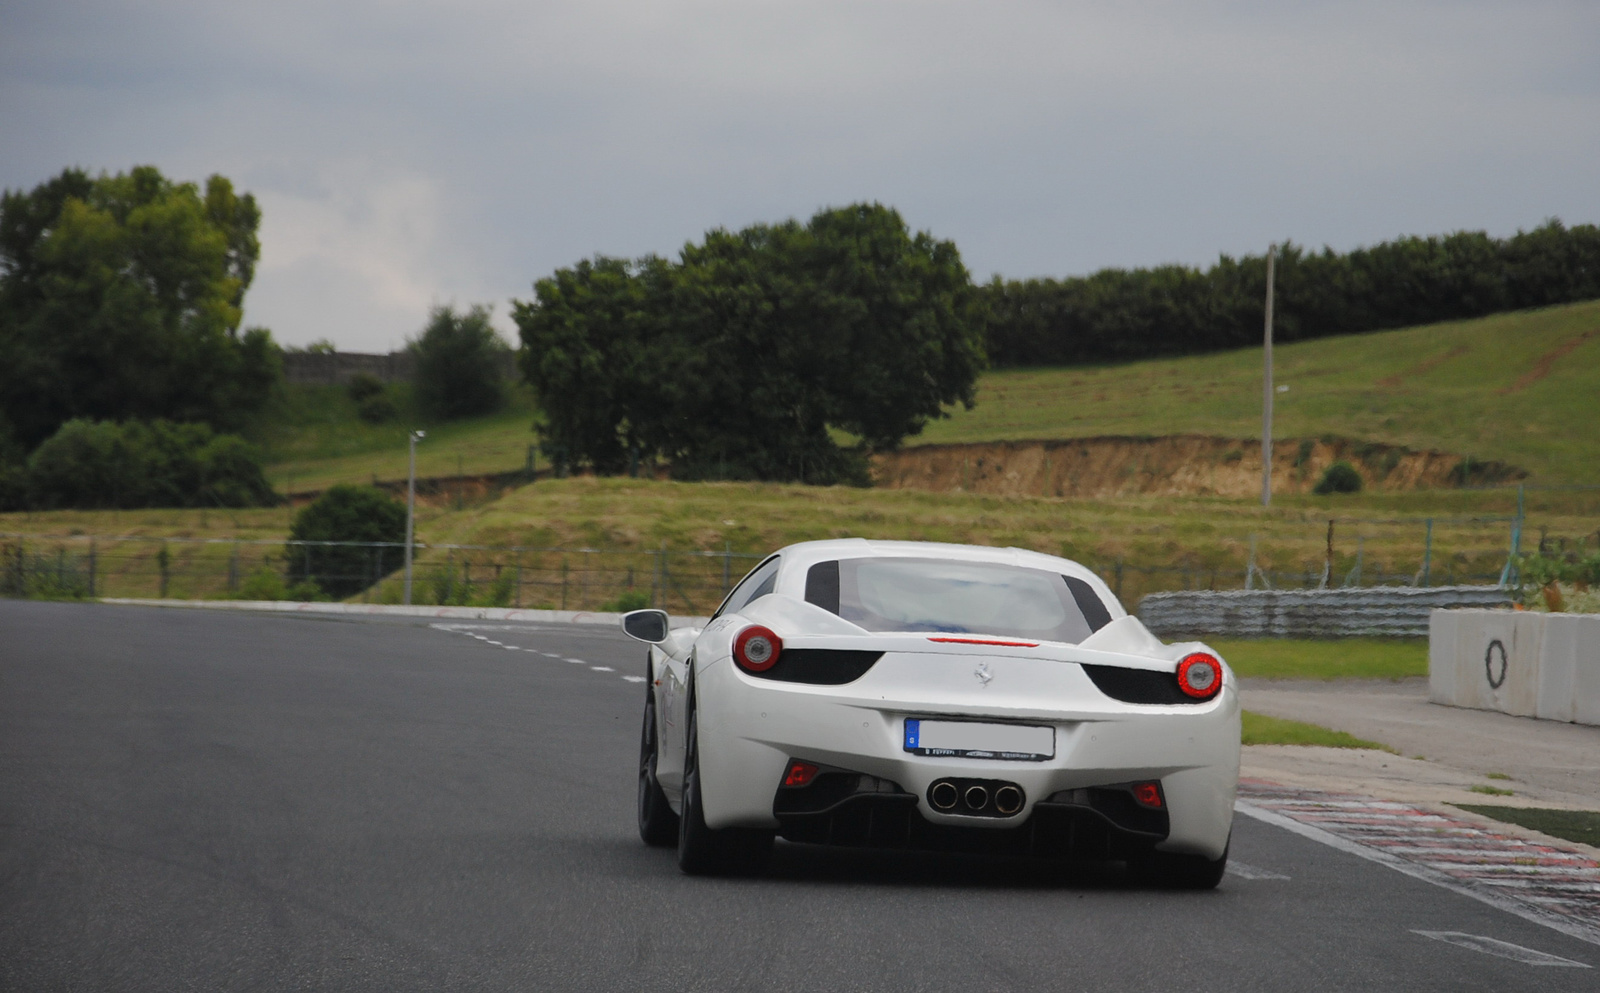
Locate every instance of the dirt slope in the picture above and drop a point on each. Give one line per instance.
(1178, 465)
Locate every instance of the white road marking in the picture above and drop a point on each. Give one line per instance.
(1502, 949)
(575, 661)
(1244, 870)
(1566, 926)
(602, 668)
(634, 679)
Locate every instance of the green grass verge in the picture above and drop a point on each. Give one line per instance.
(1582, 826)
(1259, 729)
(1340, 658)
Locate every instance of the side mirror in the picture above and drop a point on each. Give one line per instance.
(649, 626)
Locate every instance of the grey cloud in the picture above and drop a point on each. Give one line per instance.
(411, 153)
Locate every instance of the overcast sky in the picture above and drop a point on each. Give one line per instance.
(412, 153)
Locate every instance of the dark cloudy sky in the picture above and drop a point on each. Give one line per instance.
(412, 153)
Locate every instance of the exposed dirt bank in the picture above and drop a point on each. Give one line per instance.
(1178, 465)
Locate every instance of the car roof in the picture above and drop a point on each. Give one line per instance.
(807, 552)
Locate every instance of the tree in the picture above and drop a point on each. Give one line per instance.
(102, 464)
(460, 361)
(347, 513)
(120, 296)
(742, 358)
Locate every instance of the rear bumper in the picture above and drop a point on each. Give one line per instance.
(750, 729)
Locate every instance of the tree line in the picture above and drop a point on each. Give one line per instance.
(1123, 314)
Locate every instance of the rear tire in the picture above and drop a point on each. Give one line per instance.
(658, 825)
(1179, 872)
(702, 851)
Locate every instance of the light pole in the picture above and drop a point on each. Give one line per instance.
(1266, 390)
(411, 507)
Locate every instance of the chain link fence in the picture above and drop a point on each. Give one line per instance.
(1341, 553)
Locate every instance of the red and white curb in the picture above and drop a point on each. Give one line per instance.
(1544, 883)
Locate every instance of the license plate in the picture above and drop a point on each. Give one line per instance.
(976, 740)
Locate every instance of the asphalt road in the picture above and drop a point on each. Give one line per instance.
(195, 800)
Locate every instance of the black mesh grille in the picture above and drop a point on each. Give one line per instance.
(1137, 685)
(820, 666)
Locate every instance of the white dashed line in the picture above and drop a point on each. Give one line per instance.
(549, 655)
(1246, 871)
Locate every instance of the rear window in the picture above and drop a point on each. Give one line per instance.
(936, 595)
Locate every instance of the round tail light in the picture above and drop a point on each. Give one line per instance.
(756, 649)
(1200, 675)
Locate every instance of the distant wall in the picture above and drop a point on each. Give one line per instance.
(337, 368)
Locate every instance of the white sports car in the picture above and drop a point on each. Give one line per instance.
(911, 694)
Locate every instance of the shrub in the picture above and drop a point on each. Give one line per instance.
(346, 514)
(363, 385)
(377, 409)
(104, 465)
(1341, 477)
(460, 364)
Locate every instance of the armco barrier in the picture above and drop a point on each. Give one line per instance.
(1394, 611)
(1516, 662)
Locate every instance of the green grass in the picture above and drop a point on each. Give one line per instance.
(1259, 729)
(1341, 658)
(313, 438)
(1163, 542)
(1491, 790)
(1582, 826)
(1452, 387)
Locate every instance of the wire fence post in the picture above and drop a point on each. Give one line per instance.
(92, 564)
(1427, 556)
(563, 582)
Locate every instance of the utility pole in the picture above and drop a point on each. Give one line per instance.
(411, 507)
(1266, 389)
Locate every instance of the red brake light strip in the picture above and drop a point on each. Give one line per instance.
(984, 641)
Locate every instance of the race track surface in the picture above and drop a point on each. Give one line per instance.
(201, 800)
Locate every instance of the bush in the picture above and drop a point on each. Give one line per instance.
(1341, 477)
(104, 465)
(377, 409)
(363, 385)
(460, 364)
(346, 514)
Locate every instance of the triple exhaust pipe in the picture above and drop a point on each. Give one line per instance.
(976, 796)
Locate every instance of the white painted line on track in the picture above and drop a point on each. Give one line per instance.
(462, 629)
(1245, 870)
(1502, 949)
(1566, 926)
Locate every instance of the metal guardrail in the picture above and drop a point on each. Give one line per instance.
(1388, 611)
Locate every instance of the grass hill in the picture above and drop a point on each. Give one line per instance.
(1521, 388)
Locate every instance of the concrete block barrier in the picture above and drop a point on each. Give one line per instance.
(1516, 662)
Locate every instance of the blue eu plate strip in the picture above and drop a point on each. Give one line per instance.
(912, 729)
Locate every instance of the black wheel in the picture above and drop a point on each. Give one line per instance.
(658, 825)
(702, 851)
(1179, 872)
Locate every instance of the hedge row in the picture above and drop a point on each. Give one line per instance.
(1121, 314)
